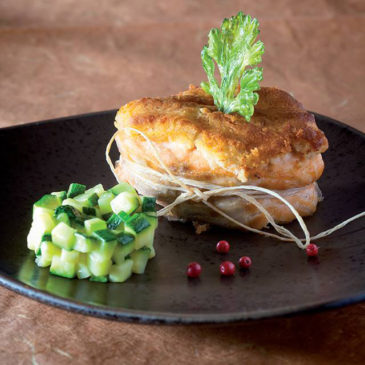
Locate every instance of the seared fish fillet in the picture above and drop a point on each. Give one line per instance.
(280, 149)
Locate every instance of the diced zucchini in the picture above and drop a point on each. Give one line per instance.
(107, 216)
(89, 211)
(84, 243)
(148, 204)
(42, 262)
(121, 187)
(63, 236)
(71, 212)
(100, 279)
(83, 271)
(103, 250)
(34, 238)
(78, 224)
(118, 230)
(48, 201)
(98, 267)
(62, 267)
(70, 256)
(97, 212)
(87, 199)
(140, 227)
(152, 253)
(122, 251)
(152, 218)
(104, 235)
(104, 202)
(114, 222)
(120, 273)
(124, 247)
(125, 238)
(127, 202)
(46, 237)
(75, 189)
(63, 217)
(43, 224)
(138, 223)
(97, 189)
(140, 258)
(61, 195)
(44, 221)
(94, 224)
(46, 204)
(93, 199)
(73, 203)
(48, 250)
(124, 216)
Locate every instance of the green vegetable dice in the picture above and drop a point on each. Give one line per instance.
(63, 236)
(94, 224)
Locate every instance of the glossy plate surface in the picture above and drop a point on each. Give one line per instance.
(48, 156)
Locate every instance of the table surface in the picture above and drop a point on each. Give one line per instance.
(68, 57)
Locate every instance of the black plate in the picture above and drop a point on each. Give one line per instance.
(47, 156)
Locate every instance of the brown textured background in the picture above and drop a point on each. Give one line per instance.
(66, 57)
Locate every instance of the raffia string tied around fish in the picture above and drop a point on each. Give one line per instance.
(192, 190)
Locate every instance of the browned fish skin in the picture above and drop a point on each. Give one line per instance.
(279, 148)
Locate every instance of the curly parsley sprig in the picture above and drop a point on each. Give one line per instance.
(233, 49)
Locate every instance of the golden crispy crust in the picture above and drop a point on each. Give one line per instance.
(225, 144)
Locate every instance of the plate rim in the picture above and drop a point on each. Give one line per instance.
(153, 317)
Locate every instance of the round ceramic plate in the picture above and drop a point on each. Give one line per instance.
(48, 156)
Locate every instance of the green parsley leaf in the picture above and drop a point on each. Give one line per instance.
(233, 49)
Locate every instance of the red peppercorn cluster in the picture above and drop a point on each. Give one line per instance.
(228, 268)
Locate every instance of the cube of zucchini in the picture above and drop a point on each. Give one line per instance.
(140, 259)
(125, 202)
(94, 224)
(104, 202)
(122, 251)
(84, 243)
(82, 270)
(61, 195)
(97, 189)
(98, 267)
(148, 204)
(120, 273)
(47, 250)
(121, 187)
(63, 236)
(73, 203)
(75, 189)
(63, 268)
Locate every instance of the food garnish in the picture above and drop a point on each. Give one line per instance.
(234, 50)
(245, 262)
(194, 270)
(227, 268)
(96, 234)
(222, 246)
(312, 249)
